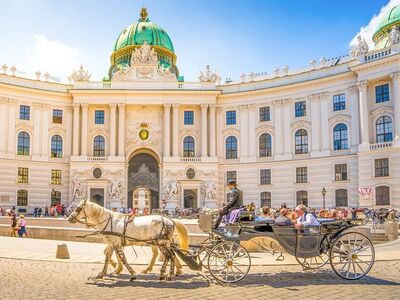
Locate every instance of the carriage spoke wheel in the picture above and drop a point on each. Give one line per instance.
(352, 255)
(228, 262)
(313, 263)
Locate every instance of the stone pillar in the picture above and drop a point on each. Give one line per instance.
(244, 138)
(278, 141)
(220, 137)
(84, 140)
(364, 114)
(45, 131)
(323, 98)
(37, 131)
(3, 126)
(355, 119)
(121, 129)
(76, 125)
(212, 130)
(175, 130)
(286, 137)
(204, 130)
(315, 125)
(167, 130)
(396, 107)
(11, 149)
(252, 144)
(113, 131)
(69, 124)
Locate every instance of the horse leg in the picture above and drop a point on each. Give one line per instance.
(172, 258)
(178, 266)
(120, 266)
(154, 249)
(108, 251)
(122, 257)
(165, 252)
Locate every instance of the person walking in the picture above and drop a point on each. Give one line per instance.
(46, 211)
(22, 225)
(13, 225)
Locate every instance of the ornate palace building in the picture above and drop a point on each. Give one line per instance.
(144, 137)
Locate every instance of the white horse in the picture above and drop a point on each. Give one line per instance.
(118, 230)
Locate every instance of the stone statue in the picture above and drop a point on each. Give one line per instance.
(209, 191)
(144, 54)
(79, 192)
(394, 36)
(115, 191)
(80, 75)
(171, 191)
(208, 76)
(361, 47)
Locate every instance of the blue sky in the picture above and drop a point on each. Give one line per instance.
(234, 36)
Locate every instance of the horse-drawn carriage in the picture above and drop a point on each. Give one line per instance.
(350, 253)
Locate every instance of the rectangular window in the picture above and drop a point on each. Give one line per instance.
(301, 175)
(24, 112)
(382, 93)
(22, 198)
(231, 175)
(265, 176)
(23, 175)
(99, 117)
(340, 172)
(381, 167)
(57, 116)
(55, 176)
(300, 109)
(188, 117)
(339, 102)
(231, 117)
(265, 114)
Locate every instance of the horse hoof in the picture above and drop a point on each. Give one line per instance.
(145, 271)
(178, 273)
(100, 276)
(167, 278)
(133, 278)
(162, 278)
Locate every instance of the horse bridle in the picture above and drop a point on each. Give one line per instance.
(80, 208)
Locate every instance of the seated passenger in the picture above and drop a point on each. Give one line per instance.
(305, 218)
(266, 214)
(282, 219)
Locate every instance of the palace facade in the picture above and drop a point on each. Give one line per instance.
(145, 137)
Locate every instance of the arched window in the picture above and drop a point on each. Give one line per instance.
(265, 145)
(340, 137)
(22, 198)
(341, 198)
(302, 197)
(384, 129)
(188, 147)
(56, 146)
(23, 143)
(265, 199)
(99, 146)
(382, 195)
(231, 147)
(301, 141)
(55, 198)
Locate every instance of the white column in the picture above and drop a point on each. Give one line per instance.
(37, 129)
(396, 107)
(252, 144)
(167, 130)
(45, 131)
(287, 135)
(278, 141)
(84, 140)
(355, 119)
(244, 138)
(76, 125)
(69, 124)
(364, 114)
(3, 124)
(175, 130)
(315, 125)
(113, 132)
(220, 137)
(204, 130)
(11, 128)
(212, 130)
(323, 98)
(121, 129)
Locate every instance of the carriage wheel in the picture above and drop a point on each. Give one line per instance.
(313, 263)
(229, 262)
(352, 255)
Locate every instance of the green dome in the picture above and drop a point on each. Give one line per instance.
(380, 37)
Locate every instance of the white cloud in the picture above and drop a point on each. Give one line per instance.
(368, 30)
(52, 56)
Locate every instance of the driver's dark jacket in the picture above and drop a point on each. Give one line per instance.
(235, 200)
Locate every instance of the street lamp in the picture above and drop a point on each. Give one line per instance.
(323, 192)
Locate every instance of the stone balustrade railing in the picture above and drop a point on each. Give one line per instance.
(190, 159)
(145, 85)
(97, 158)
(378, 146)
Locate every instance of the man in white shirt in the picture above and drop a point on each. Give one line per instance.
(305, 218)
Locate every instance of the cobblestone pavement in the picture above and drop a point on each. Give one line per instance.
(27, 279)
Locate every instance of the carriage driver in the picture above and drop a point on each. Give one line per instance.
(305, 218)
(235, 201)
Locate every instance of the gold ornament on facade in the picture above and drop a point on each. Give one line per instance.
(144, 132)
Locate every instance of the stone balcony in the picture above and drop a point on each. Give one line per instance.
(378, 146)
(143, 85)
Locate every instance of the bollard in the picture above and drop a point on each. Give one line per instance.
(62, 252)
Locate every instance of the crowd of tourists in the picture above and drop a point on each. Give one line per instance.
(17, 224)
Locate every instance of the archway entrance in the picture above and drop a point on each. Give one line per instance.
(143, 181)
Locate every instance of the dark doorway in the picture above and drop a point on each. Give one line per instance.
(190, 198)
(97, 196)
(143, 172)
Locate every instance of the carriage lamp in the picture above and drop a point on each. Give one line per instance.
(323, 192)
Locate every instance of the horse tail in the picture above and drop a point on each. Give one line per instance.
(183, 236)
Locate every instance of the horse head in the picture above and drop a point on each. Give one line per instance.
(78, 213)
